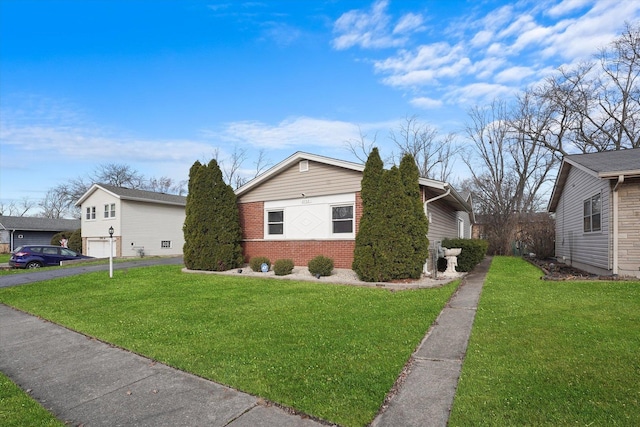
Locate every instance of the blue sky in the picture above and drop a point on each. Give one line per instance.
(160, 84)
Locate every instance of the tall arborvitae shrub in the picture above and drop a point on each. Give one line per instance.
(212, 231)
(417, 225)
(365, 253)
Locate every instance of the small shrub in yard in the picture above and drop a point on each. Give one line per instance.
(473, 251)
(256, 263)
(321, 265)
(282, 267)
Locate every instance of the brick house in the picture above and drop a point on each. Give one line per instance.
(596, 200)
(309, 205)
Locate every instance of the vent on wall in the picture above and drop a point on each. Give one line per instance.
(304, 165)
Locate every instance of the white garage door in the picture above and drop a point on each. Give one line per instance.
(99, 248)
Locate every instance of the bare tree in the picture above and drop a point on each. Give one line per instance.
(507, 168)
(232, 166)
(17, 209)
(594, 106)
(361, 148)
(56, 205)
(166, 185)
(434, 155)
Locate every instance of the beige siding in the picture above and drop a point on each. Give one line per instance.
(629, 228)
(146, 225)
(319, 180)
(589, 251)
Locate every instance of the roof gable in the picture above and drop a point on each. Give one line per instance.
(603, 165)
(123, 193)
(438, 187)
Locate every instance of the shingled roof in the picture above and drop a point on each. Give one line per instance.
(603, 165)
(26, 223)
(136, 195)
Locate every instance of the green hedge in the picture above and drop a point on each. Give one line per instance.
(473, 251)
(256, 263)
(282, 267)
(321, 265)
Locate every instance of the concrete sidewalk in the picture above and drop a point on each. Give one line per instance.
(84, 381)
(426, 396)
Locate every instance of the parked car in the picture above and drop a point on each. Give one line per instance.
(36, 256)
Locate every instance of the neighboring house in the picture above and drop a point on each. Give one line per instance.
(596, 200)
(144, 222)
(16, 231)
(309, 205)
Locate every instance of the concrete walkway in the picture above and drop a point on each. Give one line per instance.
(86, 382)
(426, 396)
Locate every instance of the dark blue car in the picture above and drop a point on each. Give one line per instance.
(36, 256)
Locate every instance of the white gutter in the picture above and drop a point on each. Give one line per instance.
(615, 224)
(425, 268)
(445, 194)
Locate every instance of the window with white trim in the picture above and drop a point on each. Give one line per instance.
(165, 244)
(342, 219)
(91, 213)
(275, 222)
(592, 214)
(110, 210)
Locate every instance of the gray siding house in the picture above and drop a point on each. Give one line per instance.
(596, 200)
(16, 231)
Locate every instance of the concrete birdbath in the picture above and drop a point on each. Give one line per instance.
(451, 256)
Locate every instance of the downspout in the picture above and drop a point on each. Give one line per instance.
(615, 224)
(425, 268)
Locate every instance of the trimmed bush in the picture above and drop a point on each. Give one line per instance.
(473, 251)
(256, 263)
(75, 241)
(282, 267)
(321, 265)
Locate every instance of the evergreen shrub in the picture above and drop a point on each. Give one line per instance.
(321, 265)
(75, 241)
(473, 251)
(256, 263)
(282, 267)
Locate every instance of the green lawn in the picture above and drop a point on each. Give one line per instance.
(551, 353)
(18, 409)
(327, 350)
(4, 258)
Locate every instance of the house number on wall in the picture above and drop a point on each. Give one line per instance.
(305, 202)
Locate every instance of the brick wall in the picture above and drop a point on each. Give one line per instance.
(629, 232)
(300, 251)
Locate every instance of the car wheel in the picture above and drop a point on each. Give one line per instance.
(33, 264)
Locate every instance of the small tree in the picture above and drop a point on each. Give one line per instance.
(417, 225)
(212, 231)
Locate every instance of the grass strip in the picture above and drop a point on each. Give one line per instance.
(330, 351)
(18, 409)
(550, 353)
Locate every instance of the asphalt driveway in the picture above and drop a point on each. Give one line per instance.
(37, 275)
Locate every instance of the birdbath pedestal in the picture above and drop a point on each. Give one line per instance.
(451, 255)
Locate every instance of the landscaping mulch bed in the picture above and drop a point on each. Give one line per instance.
(554, 270)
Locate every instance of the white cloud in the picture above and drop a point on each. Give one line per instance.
(372, 29)
(289, 133)
(514, 74)
(567, 6)
(426, 103)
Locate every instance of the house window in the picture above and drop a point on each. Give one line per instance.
(342, 218)
(165, 244)
(275, 222)
(592, 214)
(91, 213)
(110, 210)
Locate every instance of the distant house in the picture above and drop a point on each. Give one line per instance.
(16, 231)
(596, 200)
(144, 222)
(309, 205)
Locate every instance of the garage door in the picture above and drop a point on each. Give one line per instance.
(99, 248)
